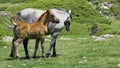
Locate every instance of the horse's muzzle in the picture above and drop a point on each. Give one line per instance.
(57, 21)
(67, 29)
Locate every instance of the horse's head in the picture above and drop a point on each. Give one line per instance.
(67, 22)
(52, 17)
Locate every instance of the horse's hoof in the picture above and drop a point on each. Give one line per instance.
(11, 55)
(27, 57)
(48, 55)
(54, 55)
(34, 57)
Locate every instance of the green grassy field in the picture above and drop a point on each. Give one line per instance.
(78, 52)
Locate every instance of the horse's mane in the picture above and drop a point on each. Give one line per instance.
(41, 16)
(61, 9)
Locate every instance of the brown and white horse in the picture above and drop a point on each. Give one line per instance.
(37, 30)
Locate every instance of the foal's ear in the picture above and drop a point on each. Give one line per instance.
(48, 10)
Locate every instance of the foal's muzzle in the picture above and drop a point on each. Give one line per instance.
(56, 21)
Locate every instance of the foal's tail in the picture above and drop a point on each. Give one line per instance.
(13, 20)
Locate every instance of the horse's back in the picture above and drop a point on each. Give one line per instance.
(32, 15)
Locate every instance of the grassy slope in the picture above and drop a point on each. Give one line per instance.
(82, 12)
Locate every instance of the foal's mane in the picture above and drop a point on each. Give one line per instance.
(42, 15)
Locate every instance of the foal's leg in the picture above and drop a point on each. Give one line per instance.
(42, 46)
(36, 47)
(11, 54)
(25, 44)
(15, 50)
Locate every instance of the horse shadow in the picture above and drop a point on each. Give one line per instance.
(31, 58)
(24, 58)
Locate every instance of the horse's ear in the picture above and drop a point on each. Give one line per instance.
(69, 11)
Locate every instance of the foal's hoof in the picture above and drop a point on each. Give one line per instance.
(48, 55)
(15, 58)
(43, 57)
(11, 56)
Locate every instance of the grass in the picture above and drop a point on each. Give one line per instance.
(78, 53)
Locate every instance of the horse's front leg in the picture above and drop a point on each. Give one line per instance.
(54, 50)
(36, 47)
(53, 44)
(25, 44)
(42, 46)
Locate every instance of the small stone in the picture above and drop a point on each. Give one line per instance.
(4, 46)
(24, 65)
(118, 65)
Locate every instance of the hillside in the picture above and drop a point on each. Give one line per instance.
(82, 11)
(84, 14)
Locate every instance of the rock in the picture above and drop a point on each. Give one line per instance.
(7, 39)
(102, 37)
(65, 38)
(106, 5)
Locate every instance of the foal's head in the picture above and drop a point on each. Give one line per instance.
(51, 17)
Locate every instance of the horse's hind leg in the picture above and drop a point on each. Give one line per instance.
(25, 44)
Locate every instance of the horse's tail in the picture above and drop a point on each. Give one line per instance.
(19, 17)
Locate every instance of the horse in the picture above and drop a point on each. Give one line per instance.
(37, 30)
(31, 15)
